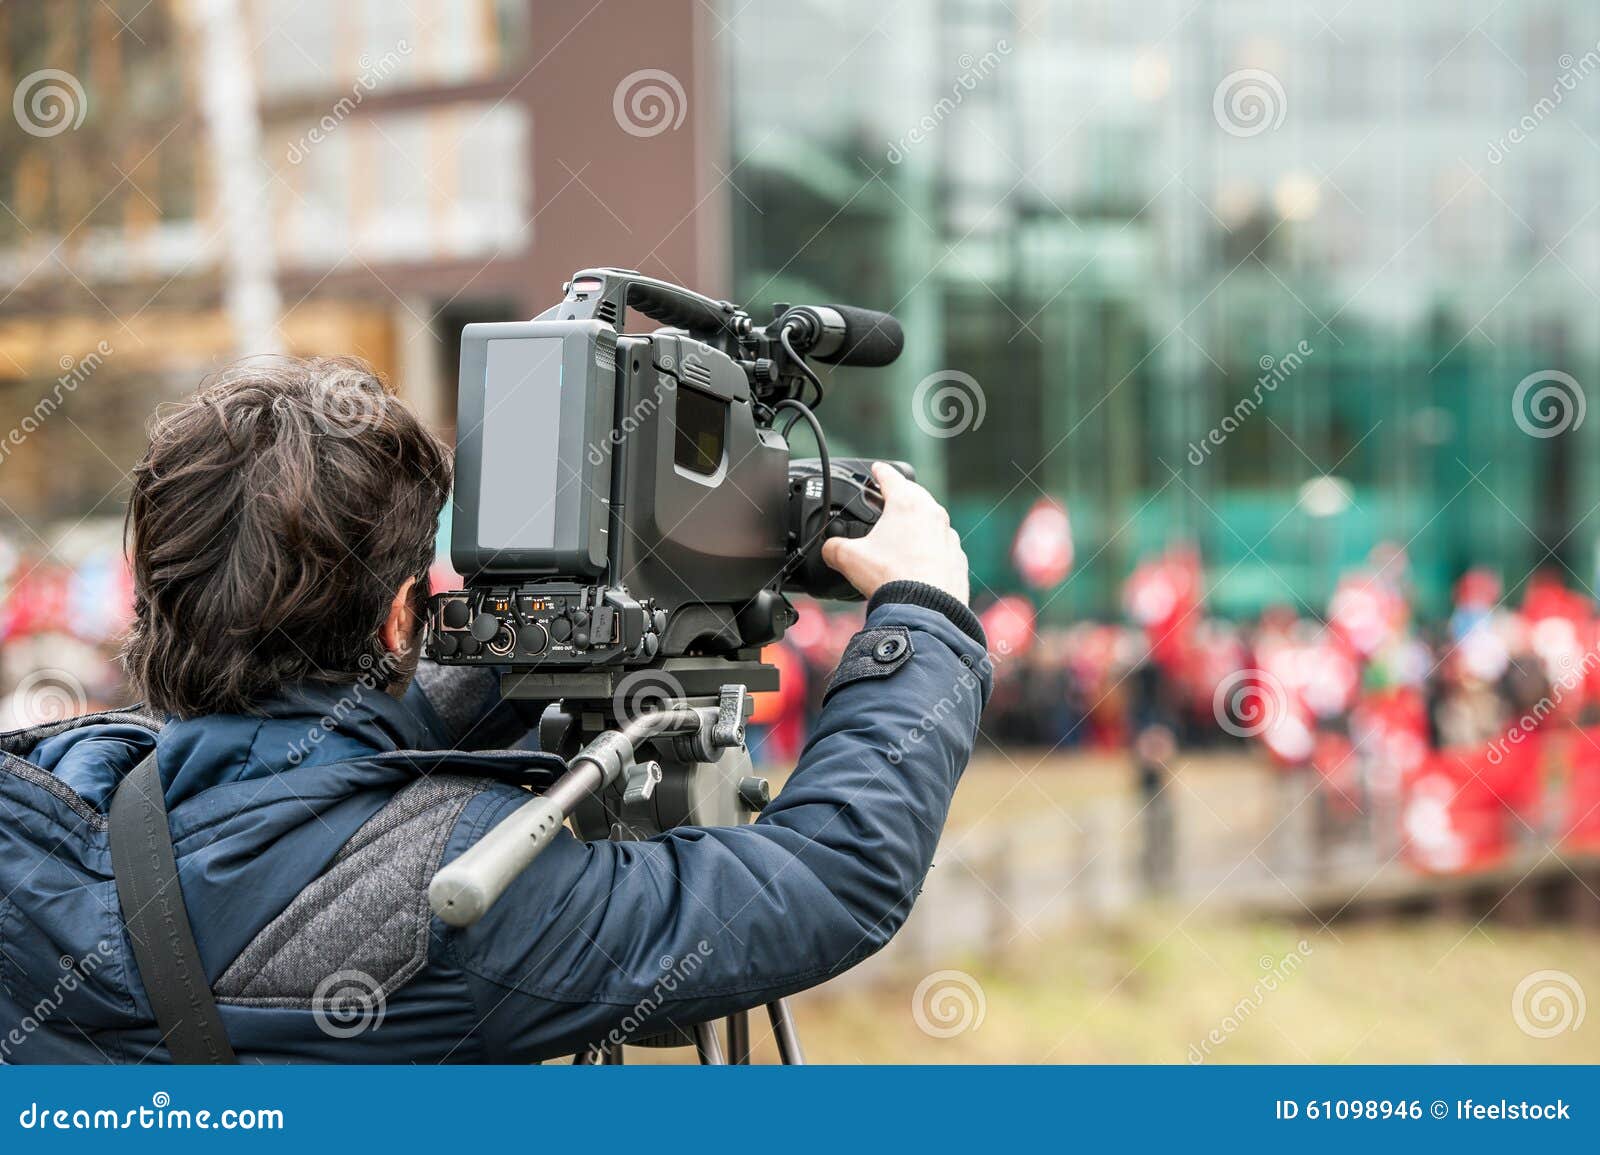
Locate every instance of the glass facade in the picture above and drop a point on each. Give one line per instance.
(1171, 262)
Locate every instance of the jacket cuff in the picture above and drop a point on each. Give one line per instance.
(910, 593)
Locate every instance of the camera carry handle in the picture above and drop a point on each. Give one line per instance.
(607, 294)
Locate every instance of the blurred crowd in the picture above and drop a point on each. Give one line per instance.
(1453, 742)
(62, 614)
(1460, 738)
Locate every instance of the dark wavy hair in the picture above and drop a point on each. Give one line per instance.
(273, 519)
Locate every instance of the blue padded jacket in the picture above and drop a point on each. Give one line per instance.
(306, 838)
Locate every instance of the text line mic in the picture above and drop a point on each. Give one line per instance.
(844, 334)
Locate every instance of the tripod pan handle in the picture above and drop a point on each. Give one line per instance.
(463, 891)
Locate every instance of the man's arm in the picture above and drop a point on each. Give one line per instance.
(700, 922)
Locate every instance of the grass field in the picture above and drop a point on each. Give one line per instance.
(1400, 993)
(1140, 993)
(1153, 984)
(1004, 786)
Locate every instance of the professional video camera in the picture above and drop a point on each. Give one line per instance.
(629, 521)
(623, 499)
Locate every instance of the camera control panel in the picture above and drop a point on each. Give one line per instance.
(542, 623)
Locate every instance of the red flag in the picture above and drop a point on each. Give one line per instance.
(1042, 551)
(1009, 626)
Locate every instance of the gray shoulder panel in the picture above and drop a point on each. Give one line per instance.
(21, 742)
(366, 916)
(16, 745)
(457, 693)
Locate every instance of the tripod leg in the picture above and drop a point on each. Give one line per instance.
(783, 1030)
(739, 1038)
(604, 1054)
(708, 1046)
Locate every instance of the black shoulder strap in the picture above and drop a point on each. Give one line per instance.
(158, 922)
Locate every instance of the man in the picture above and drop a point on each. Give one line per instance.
(316, 776)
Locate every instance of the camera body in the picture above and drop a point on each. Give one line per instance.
(622, 498)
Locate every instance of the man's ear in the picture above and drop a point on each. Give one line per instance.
(400, 627)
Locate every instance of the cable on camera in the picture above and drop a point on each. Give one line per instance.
(799, 363)
(803, 411)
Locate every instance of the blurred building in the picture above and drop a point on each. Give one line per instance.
(426, 164)
(1104, 225)
(1117, 219)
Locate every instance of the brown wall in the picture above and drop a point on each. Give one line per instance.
(603, 196)
(598, 195)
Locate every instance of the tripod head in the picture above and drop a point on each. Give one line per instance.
(637, 764)
(694, 770)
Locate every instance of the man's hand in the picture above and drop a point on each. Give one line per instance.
(911, 541)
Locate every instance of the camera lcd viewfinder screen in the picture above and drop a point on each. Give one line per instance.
(521, 443)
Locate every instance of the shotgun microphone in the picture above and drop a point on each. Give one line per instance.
(844, 334)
